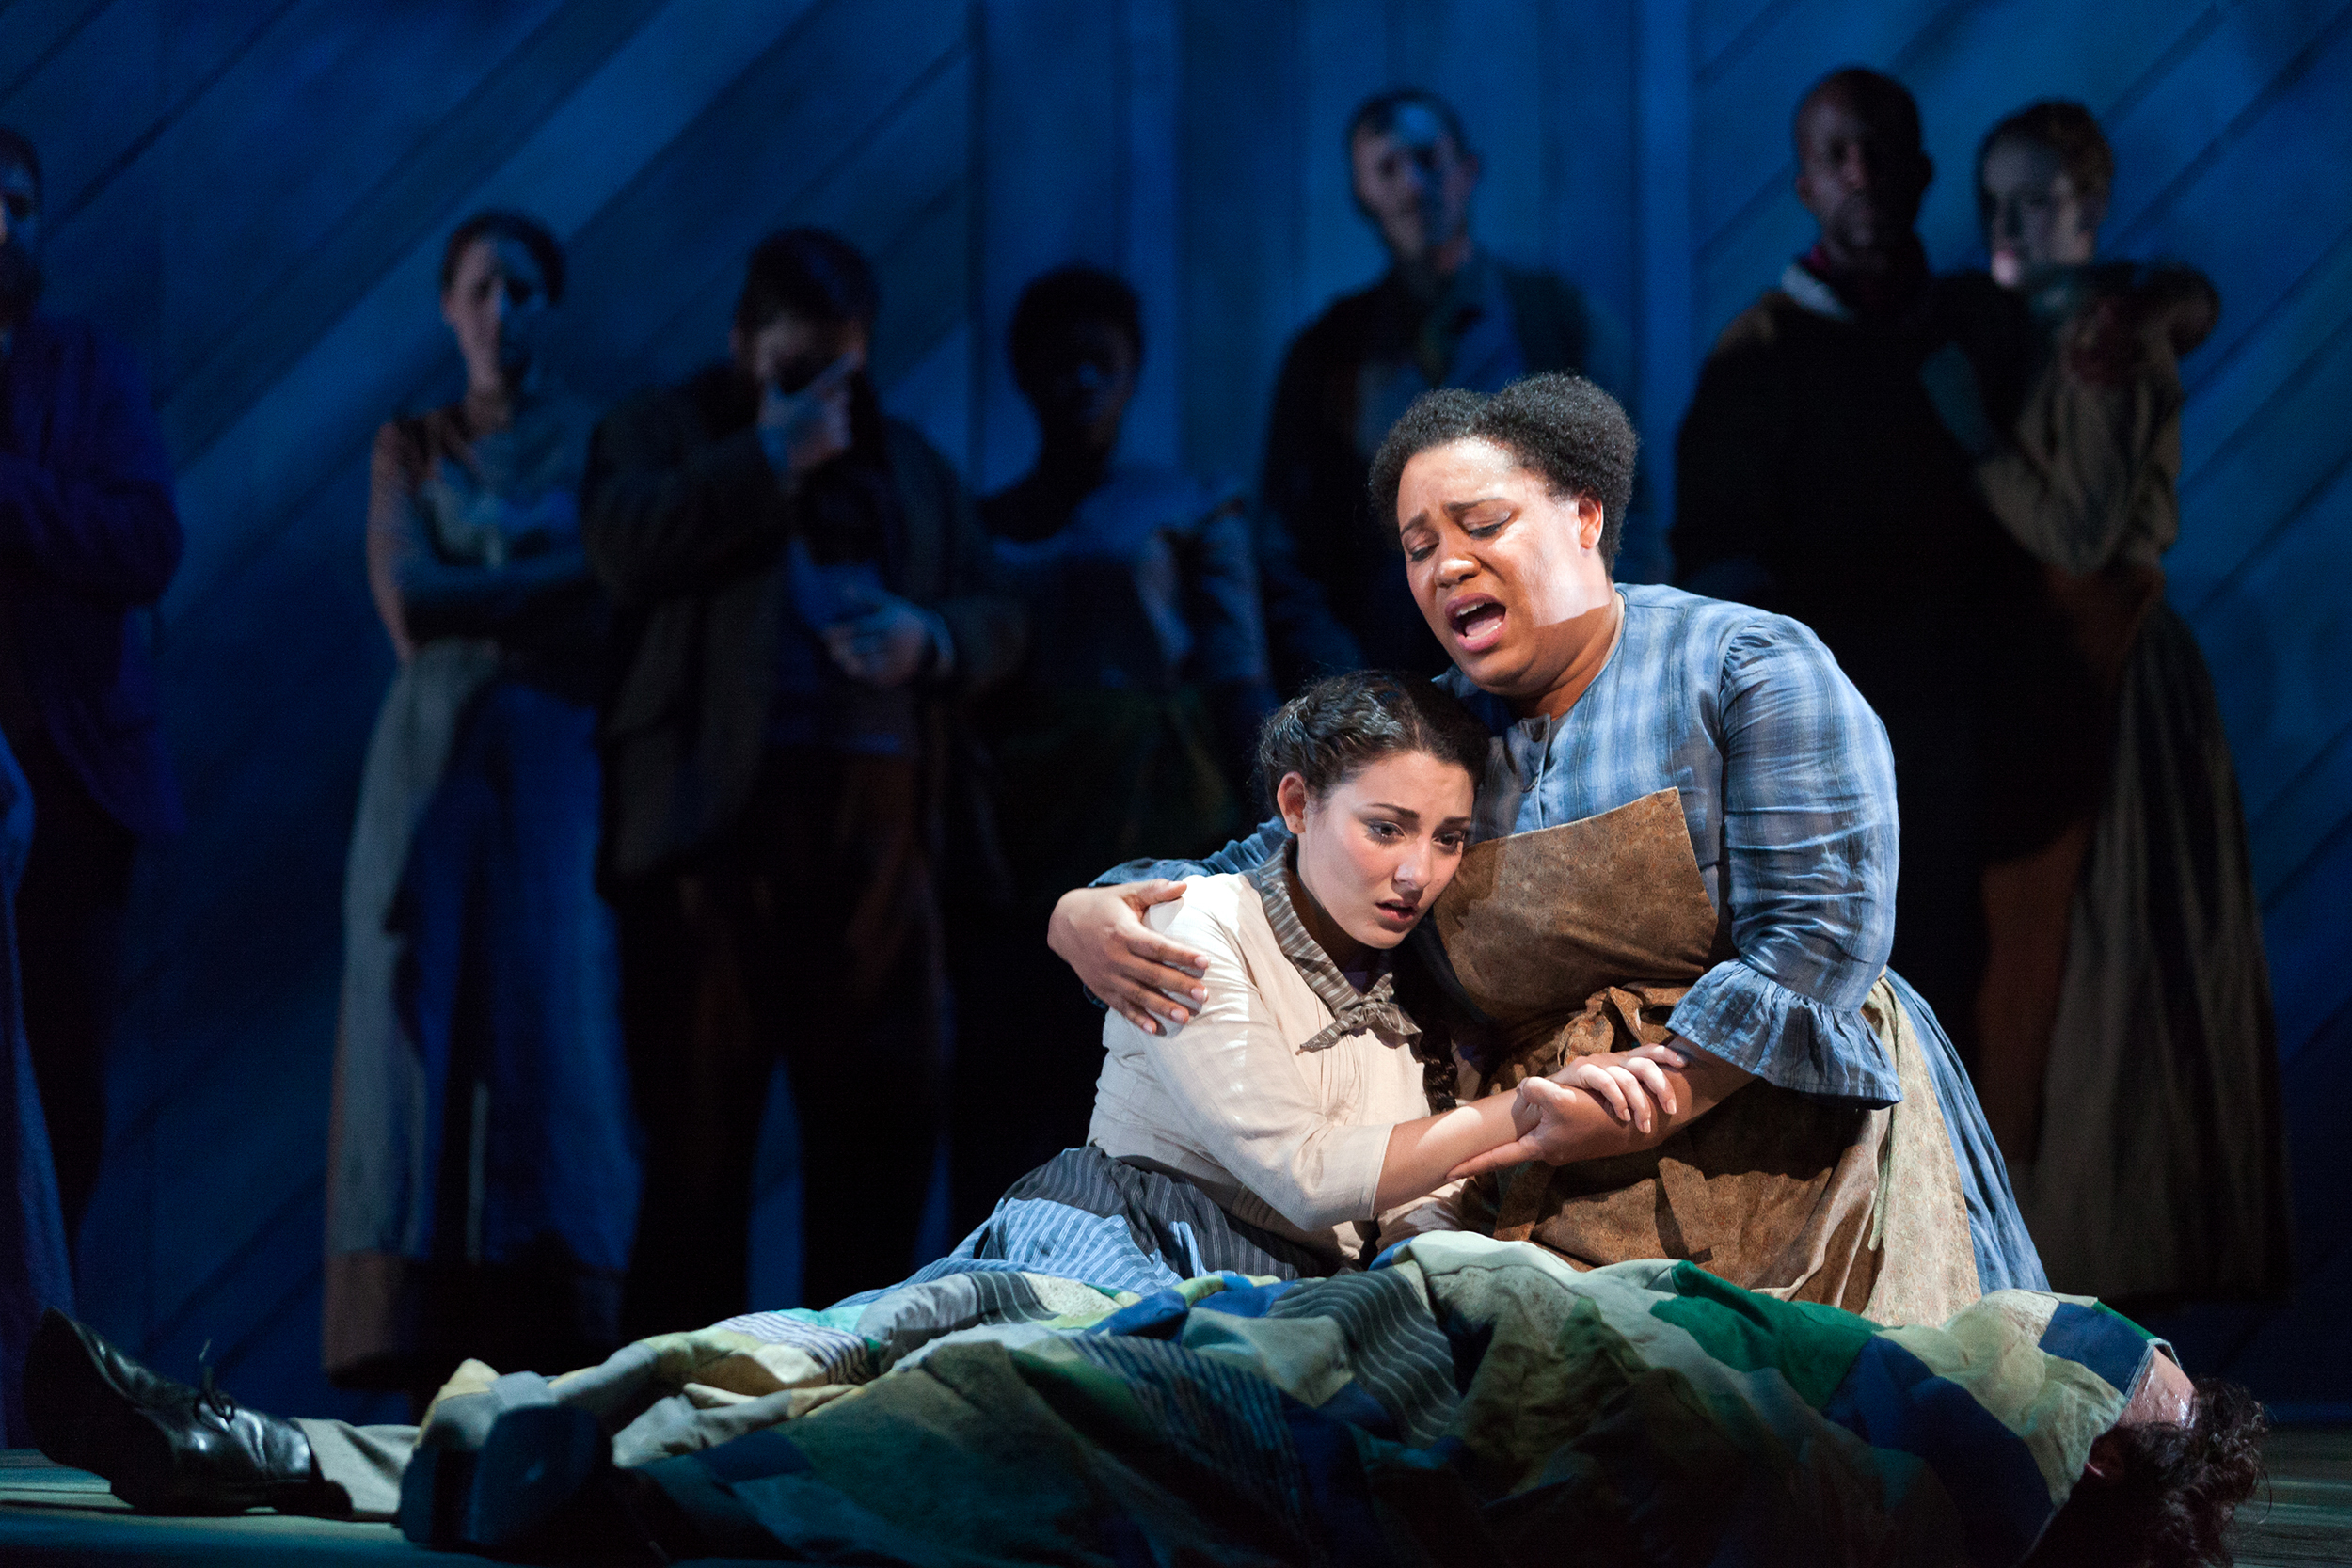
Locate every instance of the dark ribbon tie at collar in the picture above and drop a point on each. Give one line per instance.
(1353, 1012)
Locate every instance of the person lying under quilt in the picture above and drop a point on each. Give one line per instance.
(1056, 1390)
(1464, 1401)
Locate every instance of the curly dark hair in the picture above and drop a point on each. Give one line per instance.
(1343, 723)
(2175, 1491)
(2067, 129)
(521, 227)
(1559, 426)
(810, 273)
(1058, 300)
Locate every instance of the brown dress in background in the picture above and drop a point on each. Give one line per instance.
(2130, 1057)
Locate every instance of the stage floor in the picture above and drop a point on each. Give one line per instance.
(52, 1515)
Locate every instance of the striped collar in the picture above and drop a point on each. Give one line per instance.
(1353, 1012)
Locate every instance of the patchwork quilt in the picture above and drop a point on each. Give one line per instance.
(1464, 1401)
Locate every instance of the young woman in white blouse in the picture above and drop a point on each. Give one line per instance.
(1299, 1119)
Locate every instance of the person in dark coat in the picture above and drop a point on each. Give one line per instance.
(1446, 313)
(90, 538)
(1814, 479)
(802, 583)
(1130, 725)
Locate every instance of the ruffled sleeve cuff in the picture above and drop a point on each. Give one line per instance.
(1786, 1037)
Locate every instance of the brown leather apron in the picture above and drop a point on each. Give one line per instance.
(1580, 939)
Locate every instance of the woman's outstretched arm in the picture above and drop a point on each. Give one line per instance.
(1557, 1119)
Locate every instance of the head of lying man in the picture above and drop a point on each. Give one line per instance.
(2161, 1485)
(1508, 508)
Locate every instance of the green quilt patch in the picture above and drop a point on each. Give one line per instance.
(1811, 1345)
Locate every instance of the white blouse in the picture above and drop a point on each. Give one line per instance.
(1281, 1138)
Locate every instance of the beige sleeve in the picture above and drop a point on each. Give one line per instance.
(1437, 1211)
(2086, 477)
(1236, 1083)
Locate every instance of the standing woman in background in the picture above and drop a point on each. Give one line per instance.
(483, 1177)
(2129, 1063)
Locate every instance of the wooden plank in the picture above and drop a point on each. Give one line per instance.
(1669, 347)
(2224, 496)
(2176, 124)
(2300, 812)
(2263, 166)
(1590, 202)
(257, 128)
(1150, 250)
(2307, 930)
(1345, 57)
(30, 32)
(1245, 144)
(573, 163)
(2230, 387)
(660, 319)
(1720, 31)
(2278, 635)
(89, 98)
(226, 364)
(1053, 176)
(2245, 494)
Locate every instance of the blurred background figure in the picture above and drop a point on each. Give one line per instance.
(1130, 724)
(2129, 1063)
(803, 587)
(1446, 313)
(1813, 478)
(483, 1165)
(89, 537)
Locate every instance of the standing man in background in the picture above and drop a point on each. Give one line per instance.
(88, 536)
(800, 585)
(1446, 313)
(1813, 478)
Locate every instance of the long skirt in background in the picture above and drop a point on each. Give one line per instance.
(484, 1160)
(2161, 1167)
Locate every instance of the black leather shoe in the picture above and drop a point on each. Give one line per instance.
(163, 1447)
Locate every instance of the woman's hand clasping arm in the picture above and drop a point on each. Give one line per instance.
(1137, 972)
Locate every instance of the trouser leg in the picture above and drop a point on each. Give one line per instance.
(68, 910)
(366, 1461)
(700, 1074)
(857, 1000)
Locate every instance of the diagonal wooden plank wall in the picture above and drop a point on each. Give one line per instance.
(253, 193)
